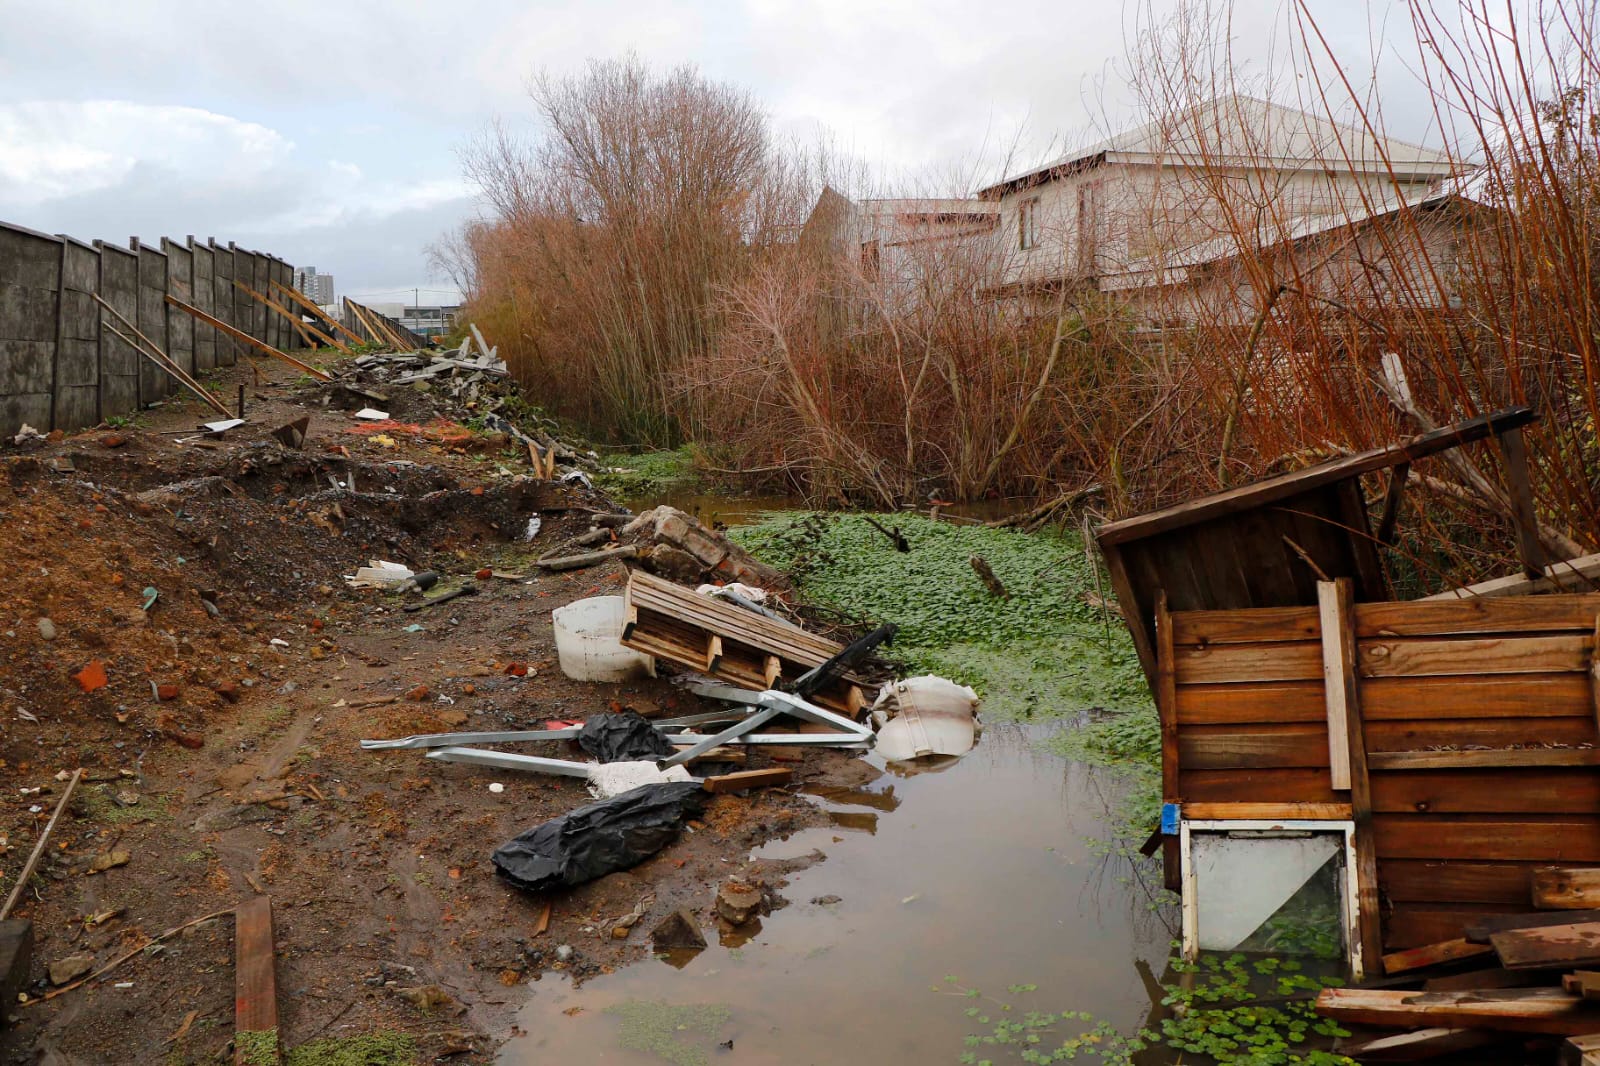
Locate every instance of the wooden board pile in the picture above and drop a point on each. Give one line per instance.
(1514, 984)
(729, 643)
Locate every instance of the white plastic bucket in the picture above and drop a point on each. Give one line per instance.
(589, 641)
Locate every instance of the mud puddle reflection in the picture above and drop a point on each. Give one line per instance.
(978, 870)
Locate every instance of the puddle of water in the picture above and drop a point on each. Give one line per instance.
(979, 870)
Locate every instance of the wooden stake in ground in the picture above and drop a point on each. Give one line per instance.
(255, 1001)
(262, 346)
(305, 301)
(160, 358)
(307, 332)
(38, 848)
(981, 567)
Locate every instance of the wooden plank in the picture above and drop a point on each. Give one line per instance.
(1471, 696)
(1480, 931)
(1257, 785)
(1274, 661)
(1264, 747)
(1358, 538)
(1368, 916)
(1336, 653)
(1409, 925)
(1492, 977)
(1474, 655)
(1487, 791)
(1534, 1010)
(1566, 887)
(1581, 574)
(1272, 489)
(1252, 625)
(306, 331)
(743, 779)
(1414, 1046)
(1391, 502)
(1432, 955)
(1487, 838)
(1580, 1051)
(1455, 617)
(1585, 983)
(1503, 884)
(306, 302)
(1529, 550)
(255, 984)
(1594, 673)
(1255, 702)
(1577, 944)
(1128, 603)
(1391, 735)
(261, 346)
(1221, 812)
(1462, 760)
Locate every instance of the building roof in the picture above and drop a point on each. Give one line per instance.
(1239, 130)
(1302, 227)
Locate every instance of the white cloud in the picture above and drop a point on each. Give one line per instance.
(56, 148)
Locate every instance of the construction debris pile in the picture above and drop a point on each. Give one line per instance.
(767, 683)
(1510, 989)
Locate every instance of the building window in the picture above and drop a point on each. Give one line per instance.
(871, 260)
(1028, 224)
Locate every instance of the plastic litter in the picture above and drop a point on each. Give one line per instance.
(623, 737)
(379, 574)
(598, 839)
(589, 641)
(925, 715)
(613, 779)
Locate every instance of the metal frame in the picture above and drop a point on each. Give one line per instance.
(1351, 917)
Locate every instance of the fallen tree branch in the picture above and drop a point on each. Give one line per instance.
(578, 562)
(1046, 510)
(985, 573)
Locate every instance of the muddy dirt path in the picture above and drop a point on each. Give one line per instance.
(221, 754)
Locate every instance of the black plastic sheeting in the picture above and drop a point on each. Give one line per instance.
(601, 838)
(622, 737)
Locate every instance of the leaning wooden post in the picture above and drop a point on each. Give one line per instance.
(260, 345)
(1522, 512)
(1336, 606)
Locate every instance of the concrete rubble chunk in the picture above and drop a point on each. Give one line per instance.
(65, 971)
(678, 930)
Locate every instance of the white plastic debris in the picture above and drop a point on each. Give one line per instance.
(496, 787)
(372, 414)
(535, 523)
(577, 477)
(925, 715)
(615, 778)
(27, 433)
(749, 592)
(224, 425)
(379, 574)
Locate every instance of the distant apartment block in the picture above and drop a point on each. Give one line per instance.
(317, 286)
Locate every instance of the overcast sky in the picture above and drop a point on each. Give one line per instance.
(325, 132)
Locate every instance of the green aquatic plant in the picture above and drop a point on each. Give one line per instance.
(643, 473)
(1049, 650)
(661, 1029)
(1226, 1009)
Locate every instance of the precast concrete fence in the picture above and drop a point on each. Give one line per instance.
(62, 363)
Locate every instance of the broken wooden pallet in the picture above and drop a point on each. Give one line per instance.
(729, 643)
(1530, 1010)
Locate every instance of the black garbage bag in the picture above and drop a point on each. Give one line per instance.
(603, 837)
(622, 737)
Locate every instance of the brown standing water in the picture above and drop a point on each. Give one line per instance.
(982, 870)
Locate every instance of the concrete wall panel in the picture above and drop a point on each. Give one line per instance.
(30, 277)
(154, 383)
(180, 283)
(77, 372)
(119, 363)
(205, 298)
(222, 300)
